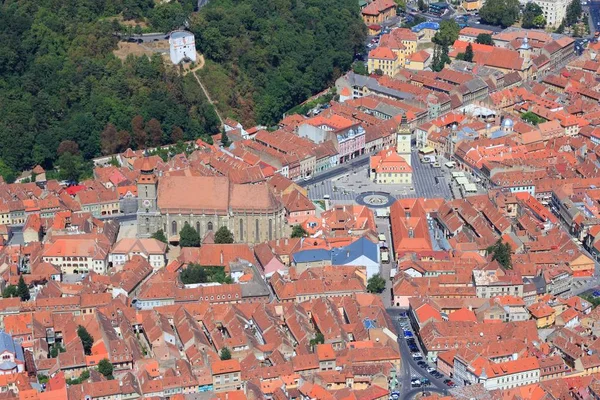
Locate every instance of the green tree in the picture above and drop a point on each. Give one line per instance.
(539, 21)
(573, 12)
(7, 172)
(501, 252)
(189, 237)
(10, 291)
(561, 27)
(23, 289)
(160, 235)
(530, 12)
(318, 339)
(576, 32)
(532, 118)
(469, 53)
(71, 167)
(195, 273)
(500, 12)
(358, 67)
(225, 354)
(376, 284)
(257, 70)
(223, 236)
(422, 6)
(84, 376)
(298, 231)
(86, 339)
(484, 38)
(56, 349)
(167, 16)
(400, 5)
(225, 139)
(105, 367)
(447, 34)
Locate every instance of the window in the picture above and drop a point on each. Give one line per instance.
(241, 230)
(270, 229)
(256, 233)
(209, 226)
(174, 228)
(198, 227)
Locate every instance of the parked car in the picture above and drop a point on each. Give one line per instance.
(418, 358)
(416, 355)
(425, 382)
(408, 334)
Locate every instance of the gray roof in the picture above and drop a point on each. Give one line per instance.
(475, 84)
(181, 34)
(374, 86)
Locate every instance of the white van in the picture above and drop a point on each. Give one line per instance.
(326, 197)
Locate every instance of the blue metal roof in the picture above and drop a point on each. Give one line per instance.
(8, 344)
(369, 324)
(361, 247)
(312, 255)
(426, 25)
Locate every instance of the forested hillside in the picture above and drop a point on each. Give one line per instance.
(267, 56)
(61, 84)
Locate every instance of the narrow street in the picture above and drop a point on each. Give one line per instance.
(410, 368)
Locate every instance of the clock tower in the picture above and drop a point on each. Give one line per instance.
(148, 215)
(403, 140)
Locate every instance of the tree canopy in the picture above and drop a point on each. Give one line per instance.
(10, 291)
(23, 289)
(501, 252)
(531, 16)
(266, 57)
(298, 231)
(485, 38)
(60, 82)
(225, 354)
(86, 339)
(105, 367)
(469, 53)
(160, 235)
(532, 118)
(500, 12)
(195, 273)
(376, 284)
(573, 12)
(223, 235)
(447, 34)
(189, 237)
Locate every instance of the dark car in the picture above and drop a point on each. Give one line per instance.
(425, 382)
(417, 358)
(437, 374)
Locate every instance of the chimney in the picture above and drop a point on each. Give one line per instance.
(277, 242)
(286, 241)
(221, 257)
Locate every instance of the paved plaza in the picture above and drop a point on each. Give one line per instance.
(428, 182)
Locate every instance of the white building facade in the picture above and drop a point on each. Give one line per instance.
(182, 45)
